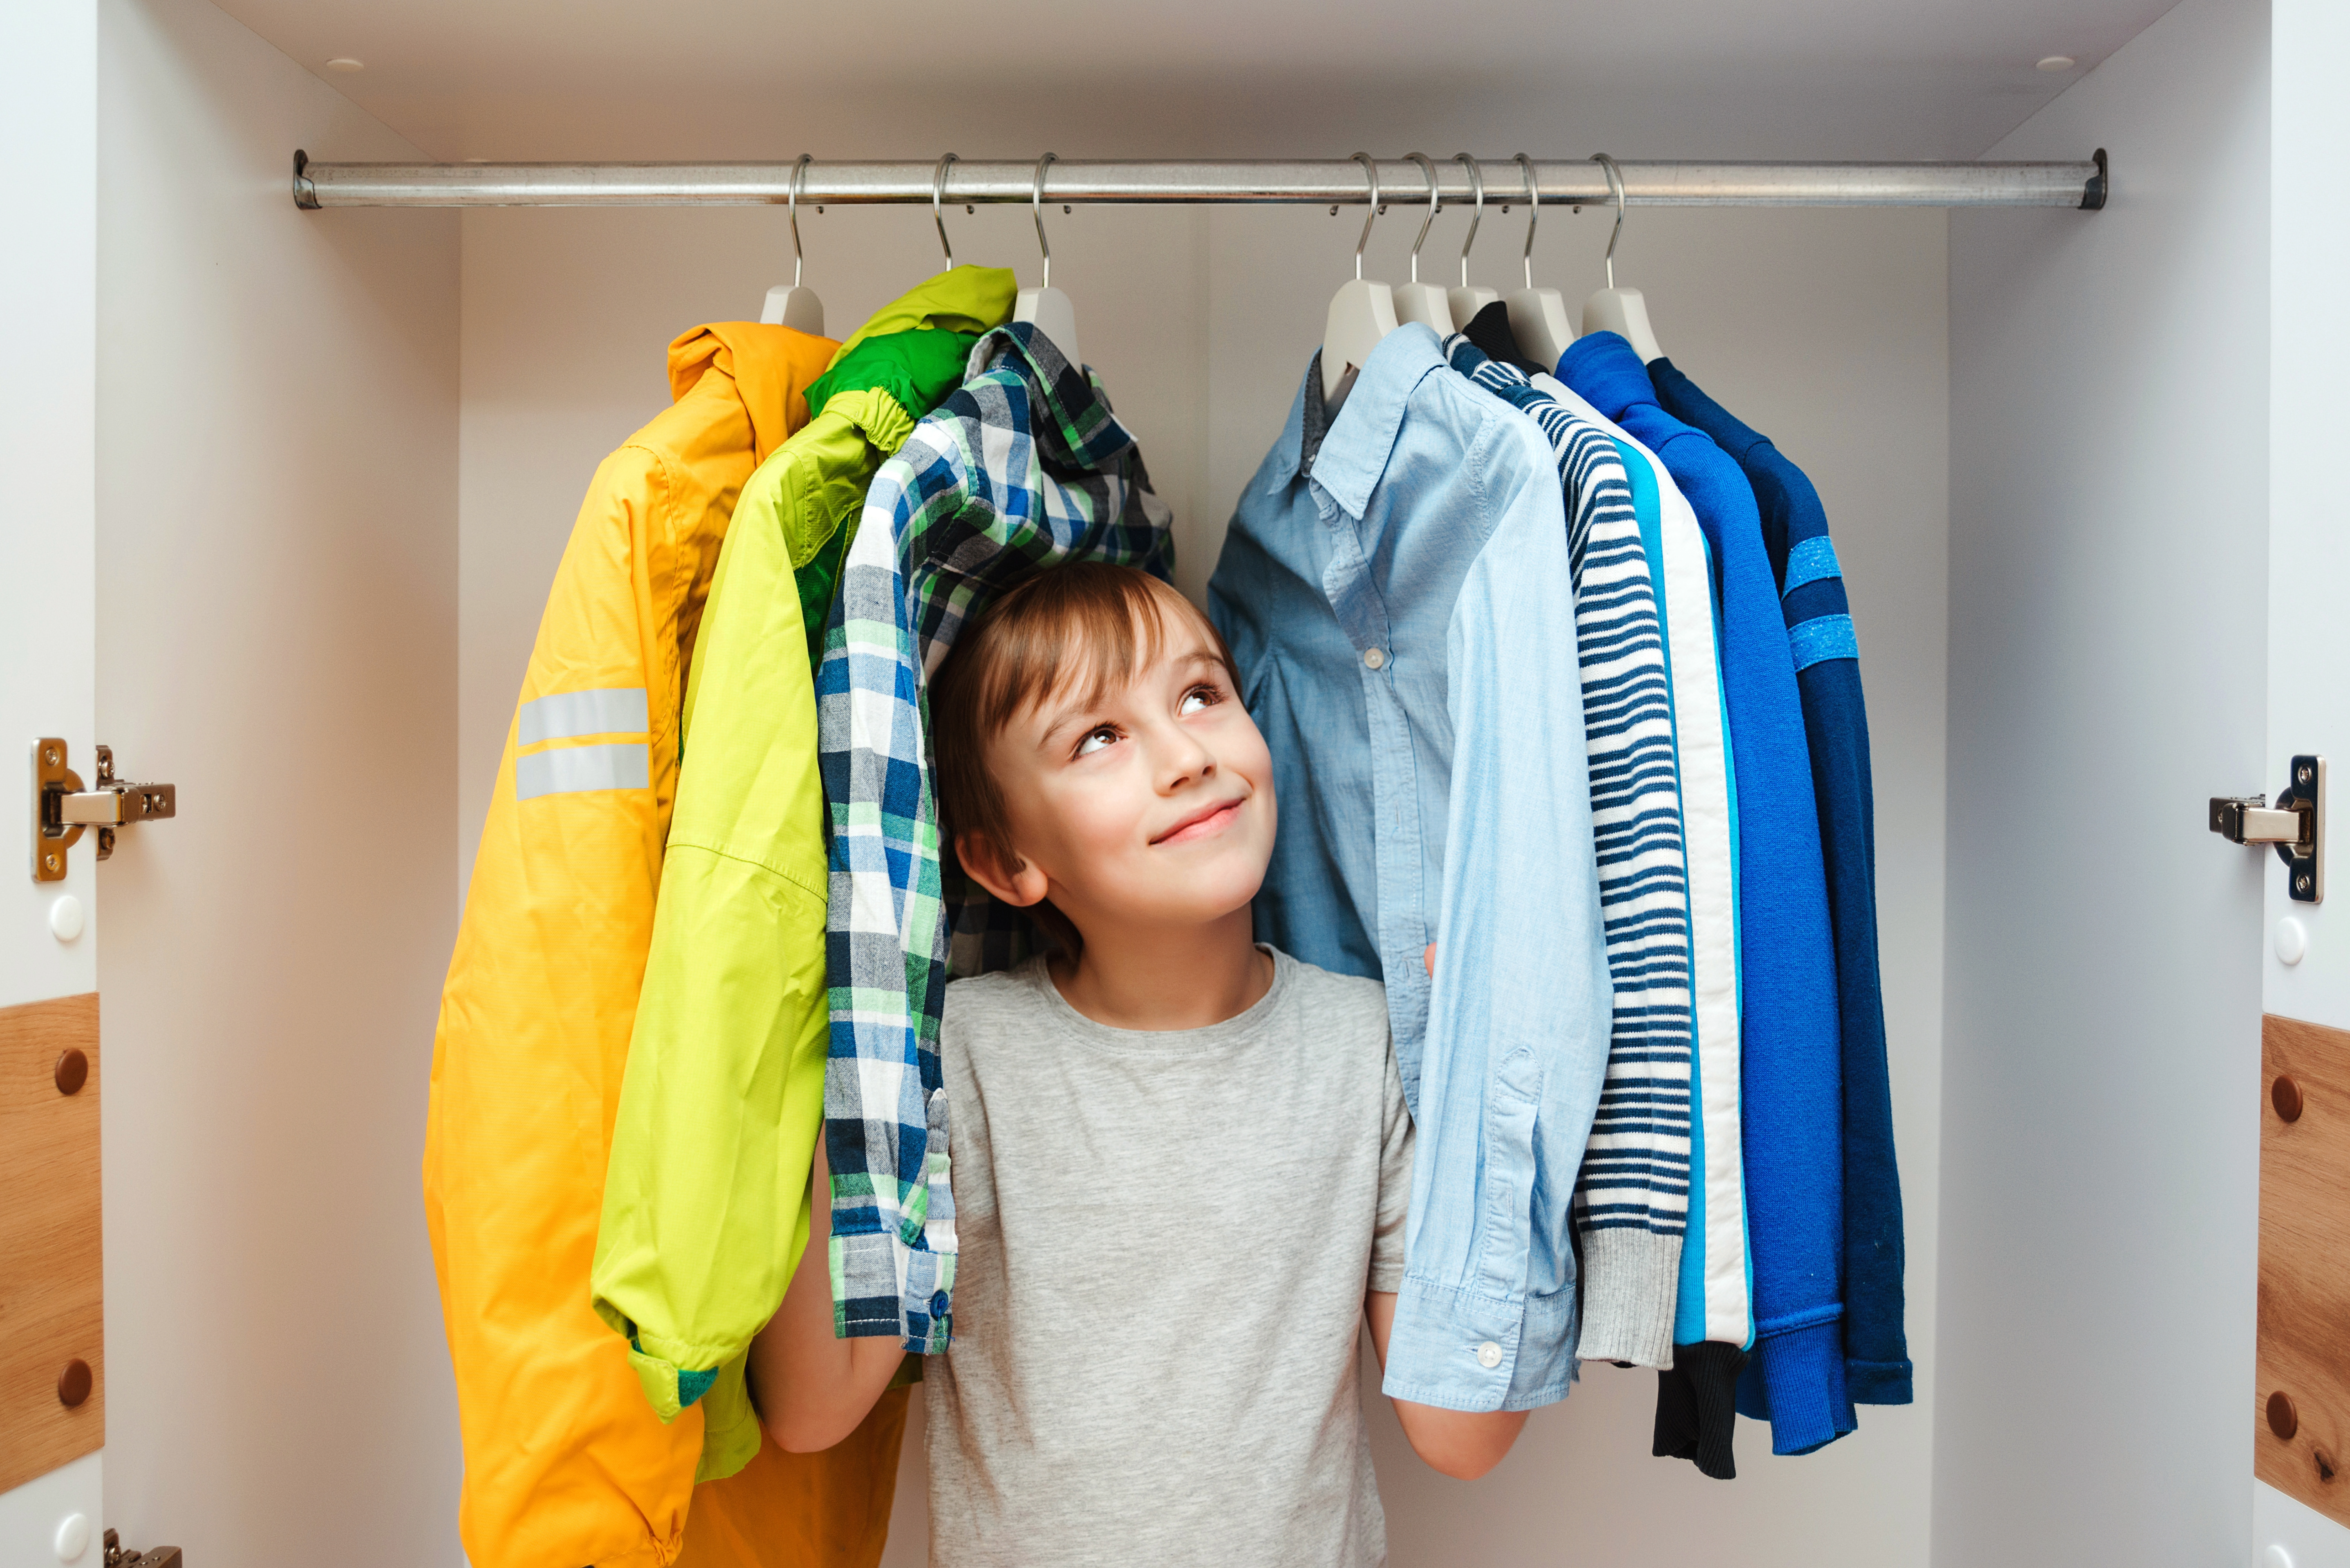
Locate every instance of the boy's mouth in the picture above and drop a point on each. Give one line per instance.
(1213, 819)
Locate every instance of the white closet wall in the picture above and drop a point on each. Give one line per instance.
(277, 610)
(2108, 531)
(1826, 330)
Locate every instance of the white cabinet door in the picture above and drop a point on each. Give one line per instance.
(48, 313)
(2307, 973)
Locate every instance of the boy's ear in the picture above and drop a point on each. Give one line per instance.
(1019, 884)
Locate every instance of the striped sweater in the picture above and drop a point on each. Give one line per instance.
(1631, 1198)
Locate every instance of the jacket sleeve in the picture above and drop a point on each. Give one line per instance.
(704, 1210)
(562, 1461)
(1519, 1011)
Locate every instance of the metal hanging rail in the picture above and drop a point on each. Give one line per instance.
(1339, 181)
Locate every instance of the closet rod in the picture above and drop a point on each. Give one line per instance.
(1563, 182)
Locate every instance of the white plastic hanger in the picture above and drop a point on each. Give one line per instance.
(1467, 300)
(1361, 313)
(789, 304)
(1417, 301)
(1048, 307)
(1624, 311)
(1537, 316)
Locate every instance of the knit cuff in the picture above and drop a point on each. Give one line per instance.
(1695, 1416)
(1631, 1284)
(1796, 1383)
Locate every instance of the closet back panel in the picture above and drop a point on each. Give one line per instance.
(2109, 515)
(277, 609)
(1826, 330)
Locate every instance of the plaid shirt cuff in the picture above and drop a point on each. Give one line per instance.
(882, 1287)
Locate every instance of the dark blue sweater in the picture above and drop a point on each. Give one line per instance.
(1836, 722)
(1791, 1111)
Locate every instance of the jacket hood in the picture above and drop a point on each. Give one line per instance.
(769, 368)
(971, 299)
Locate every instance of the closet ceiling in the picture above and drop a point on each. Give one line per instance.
(754, 78)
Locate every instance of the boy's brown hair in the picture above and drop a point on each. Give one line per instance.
(1088, 620)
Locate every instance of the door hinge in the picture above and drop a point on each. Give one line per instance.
(2294, 827)
(153, 1557)
(63, 810)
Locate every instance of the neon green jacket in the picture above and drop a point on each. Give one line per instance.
(705, 1193)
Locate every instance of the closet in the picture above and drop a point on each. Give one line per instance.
(288, 487)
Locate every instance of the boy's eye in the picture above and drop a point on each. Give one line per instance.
(1096, 740)
(1197, 698)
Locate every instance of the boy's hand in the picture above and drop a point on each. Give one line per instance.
(1428, 957)
(812, 1389)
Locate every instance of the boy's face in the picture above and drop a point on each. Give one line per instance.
(1151, 805)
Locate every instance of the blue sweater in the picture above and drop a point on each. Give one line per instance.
(1835, 720)
(1791, 1109)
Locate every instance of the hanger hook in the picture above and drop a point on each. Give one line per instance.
(1036, 201)
(1533, 210)
(792, 199)
(1476, 212)
(1435, 203)
(937, 205)
(1616, 184)
(1372, 170)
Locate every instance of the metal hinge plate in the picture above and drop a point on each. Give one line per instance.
(63, 810)
(153, 1557)
(2294, 827)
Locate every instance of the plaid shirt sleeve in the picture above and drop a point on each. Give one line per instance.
(1022, 469)
(1631, 1196)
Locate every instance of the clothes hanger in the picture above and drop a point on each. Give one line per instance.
(1417, 301)
(938, 205)
(791, 305)
(1048, 307)
(1361, 312)
(1537, 316)
(1623, 311)
(1467, 300)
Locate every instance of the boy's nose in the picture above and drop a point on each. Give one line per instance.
(1185, 761)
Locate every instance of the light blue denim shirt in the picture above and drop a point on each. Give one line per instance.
(1395, 588)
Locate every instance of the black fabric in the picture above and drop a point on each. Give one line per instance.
(1317, 417)
(1696, 1406)
(1490, 330)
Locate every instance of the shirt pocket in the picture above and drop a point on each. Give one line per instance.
(1506, 1227)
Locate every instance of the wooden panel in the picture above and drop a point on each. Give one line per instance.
(51, 1295)
(2304, 1334)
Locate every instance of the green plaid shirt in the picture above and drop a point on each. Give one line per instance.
(1023, 468)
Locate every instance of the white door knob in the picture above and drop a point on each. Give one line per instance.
(73, 1537)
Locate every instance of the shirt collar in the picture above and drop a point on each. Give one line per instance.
(1603, 367)
(1071, 420)
(1355, 451)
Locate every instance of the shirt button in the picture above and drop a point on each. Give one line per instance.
(1489, 1356)
(939, 1306)
(1374, 658)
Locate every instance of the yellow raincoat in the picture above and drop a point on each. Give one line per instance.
(565, 1464)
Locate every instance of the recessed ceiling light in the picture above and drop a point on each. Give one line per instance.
(2054, 63)
(345, 65)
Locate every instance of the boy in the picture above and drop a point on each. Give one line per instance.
(1179, 1160)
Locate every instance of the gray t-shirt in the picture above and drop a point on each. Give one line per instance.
(1165, 1241)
